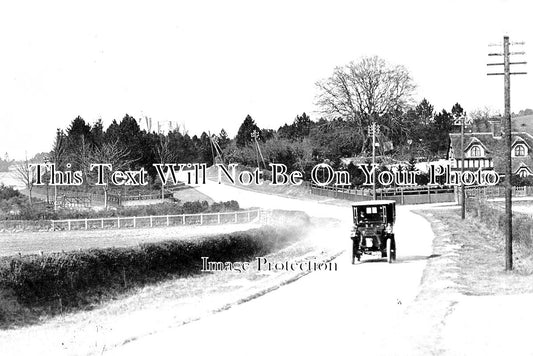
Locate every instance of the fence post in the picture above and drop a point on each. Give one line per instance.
(102, 223)
(218, 218)
(248, 215)
(201, 219)
(235, 217)
(151, 222)
(118, 222)
(85, 223)
(168, 221)
(69, 225)
(134, 222)
(53, 226)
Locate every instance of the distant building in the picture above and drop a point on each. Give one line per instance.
(486, 150)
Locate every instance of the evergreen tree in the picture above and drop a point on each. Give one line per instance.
(97, 133)
(223, 139)
(245, 130)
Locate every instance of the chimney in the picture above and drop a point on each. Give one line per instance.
(496, 127)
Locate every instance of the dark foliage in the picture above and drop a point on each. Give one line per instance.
(245, 130)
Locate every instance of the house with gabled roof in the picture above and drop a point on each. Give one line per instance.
(486, 150)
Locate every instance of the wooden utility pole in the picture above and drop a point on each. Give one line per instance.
(373, 130)
(215, 148)
(211, 144)
(463, 195)
(462, 120)
(258, 153)
(508, 137)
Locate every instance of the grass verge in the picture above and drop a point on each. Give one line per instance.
(480, 256)
(467, 260)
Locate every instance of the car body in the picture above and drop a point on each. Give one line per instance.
(373, 229)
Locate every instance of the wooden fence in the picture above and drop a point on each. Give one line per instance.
(497, 192)
(236, 217)
(122, 222)
(415, 195)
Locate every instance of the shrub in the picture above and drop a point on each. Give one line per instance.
(230, 205)
(41, 212)
(8, 192)
(195, 207)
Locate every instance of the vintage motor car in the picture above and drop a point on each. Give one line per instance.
(372, 230)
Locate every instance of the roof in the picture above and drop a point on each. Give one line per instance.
(373, 202)
(486, 139)
(519, 139)
(495, 147)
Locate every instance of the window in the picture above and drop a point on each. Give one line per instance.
(369, 214)
(519, 151)
(475, 151)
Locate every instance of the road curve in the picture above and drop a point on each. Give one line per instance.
(354, 310)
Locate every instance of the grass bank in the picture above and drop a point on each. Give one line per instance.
(478, 258)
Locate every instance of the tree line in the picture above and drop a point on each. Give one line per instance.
(419, 132)
(353, 97)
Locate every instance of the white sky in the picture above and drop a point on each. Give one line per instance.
(207, 64)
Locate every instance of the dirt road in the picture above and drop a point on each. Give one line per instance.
(355, 308)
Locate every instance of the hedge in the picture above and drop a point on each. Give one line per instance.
(56, 282)
(495, 217)
(40, 212)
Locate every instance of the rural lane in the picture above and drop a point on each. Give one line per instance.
(358, 307)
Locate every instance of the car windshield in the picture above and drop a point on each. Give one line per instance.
(369, 214)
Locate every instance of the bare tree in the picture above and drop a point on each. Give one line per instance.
(165, 155)
(110, 153)
(364, 91)
(481, 118)
(82, 157)
(57, 156)
(25, 175)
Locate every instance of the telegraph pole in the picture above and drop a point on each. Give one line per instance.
(258, 153)
(462, 121)
(463, 195)
(211, 144)
(373, 129)
(507, 137)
